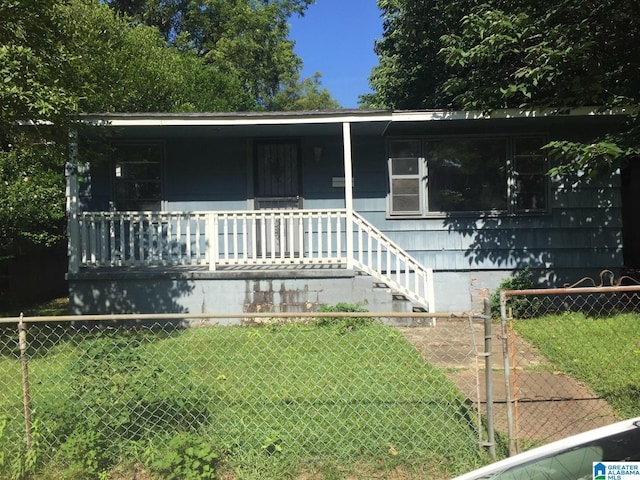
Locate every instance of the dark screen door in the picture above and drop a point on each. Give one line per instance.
(277, 175)
(277, 186)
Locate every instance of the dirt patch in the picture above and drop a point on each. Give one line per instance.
(129, 472)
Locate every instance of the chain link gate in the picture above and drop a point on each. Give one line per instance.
(87, 395)
(571, 359)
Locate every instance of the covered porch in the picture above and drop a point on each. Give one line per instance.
(231, 236)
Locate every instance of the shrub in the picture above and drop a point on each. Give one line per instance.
(86, 455)
(344, 324)
(520, 280)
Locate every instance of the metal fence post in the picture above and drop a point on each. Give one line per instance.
(22, 340)
(507, 372)
(491, 439)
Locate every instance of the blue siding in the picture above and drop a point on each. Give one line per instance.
(570, 236)
(97, 196)
(582, 230)
(317, 174)
(583, 227)
(203, 174)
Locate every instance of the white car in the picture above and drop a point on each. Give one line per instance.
(568, 459)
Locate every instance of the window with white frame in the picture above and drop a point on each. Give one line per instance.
(137, 174)
(470, 174)
(406, 176)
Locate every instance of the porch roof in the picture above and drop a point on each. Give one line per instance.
(329, 122)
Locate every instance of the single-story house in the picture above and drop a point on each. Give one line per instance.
(286, 211)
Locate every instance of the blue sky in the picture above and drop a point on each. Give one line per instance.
(335, 38)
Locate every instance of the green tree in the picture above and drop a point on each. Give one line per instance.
(33, 67)
(130, 68)
(31, 61)
(66, 56)
(568, 54)
(31, 194)
(307, 94)
(61, 57)
(525, 54)
(247, 39)
(410, 73)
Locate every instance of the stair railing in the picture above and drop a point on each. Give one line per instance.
(375, 254)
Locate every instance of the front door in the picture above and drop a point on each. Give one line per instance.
(277, 186)
(277, 174)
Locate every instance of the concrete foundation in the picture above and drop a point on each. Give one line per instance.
(107, 292)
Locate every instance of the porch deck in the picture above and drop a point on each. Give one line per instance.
(224, 271)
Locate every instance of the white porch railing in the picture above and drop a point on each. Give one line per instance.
(130, 239)
(278, 237)
(259, 237)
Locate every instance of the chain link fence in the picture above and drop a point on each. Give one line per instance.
(571, 359)
(312, 396)
(115, 397)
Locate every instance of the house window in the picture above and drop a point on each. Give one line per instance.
(466, 175)
(474, 174)
(529, 169)
(405, 173)
(137, 176)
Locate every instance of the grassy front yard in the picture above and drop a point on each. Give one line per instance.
(288, 401)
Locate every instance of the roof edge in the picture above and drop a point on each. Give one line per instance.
(333, 116)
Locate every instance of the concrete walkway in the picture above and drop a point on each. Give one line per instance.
(550, 405)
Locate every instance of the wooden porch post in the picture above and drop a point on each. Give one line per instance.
(73, 229)
(348, 190)
(212, 240)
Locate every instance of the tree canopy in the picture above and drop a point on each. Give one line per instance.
(31, 67)
(247, 39)
(61, 57)
(494, 54)
(502, 53)
(410, 73)
(569, 53)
